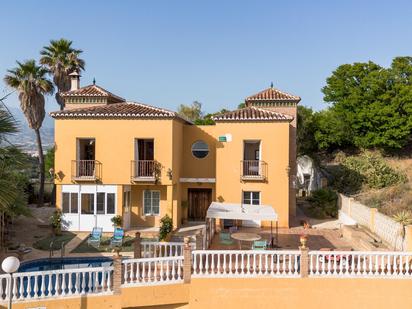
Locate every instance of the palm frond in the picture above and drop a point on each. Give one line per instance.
(8, 124)
(61, 59)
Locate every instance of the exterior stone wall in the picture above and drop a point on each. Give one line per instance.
(383, 226)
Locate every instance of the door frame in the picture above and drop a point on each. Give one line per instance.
(127, 205)
(250, 141)
(210, 197)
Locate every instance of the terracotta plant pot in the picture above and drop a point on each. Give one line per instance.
(303, 240)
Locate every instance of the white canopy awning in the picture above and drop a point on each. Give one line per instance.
(241, 212)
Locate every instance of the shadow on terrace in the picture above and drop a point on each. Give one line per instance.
(287, 239)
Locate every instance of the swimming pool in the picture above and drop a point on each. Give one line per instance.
(65, 263)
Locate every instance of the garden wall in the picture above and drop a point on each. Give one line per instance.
(383, 226)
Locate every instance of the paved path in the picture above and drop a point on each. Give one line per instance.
(75, 242)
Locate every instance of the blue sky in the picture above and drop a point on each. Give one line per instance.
(166, 53)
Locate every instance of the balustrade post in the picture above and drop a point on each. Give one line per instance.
(304, 261)
(187, 260)
(199, 241)
(137, 246)
(408, 238)
(372, 216)
(117, 273)
(350, 201)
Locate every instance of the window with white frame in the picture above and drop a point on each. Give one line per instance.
(70, 203)
(105, 203)
(110, 203)
(251, 197)
(101, 196)
(87, 203)
(151, 203)
(200, 149)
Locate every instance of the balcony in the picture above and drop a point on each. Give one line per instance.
(86, 170)
(145, 171)
(253, 170)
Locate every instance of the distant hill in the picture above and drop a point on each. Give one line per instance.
(26, 138)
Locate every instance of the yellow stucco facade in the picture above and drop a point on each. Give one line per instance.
(181, 177)
(335, 293)
(173, 139)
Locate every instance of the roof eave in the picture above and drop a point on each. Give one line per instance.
(254, 120)
(275, 100)
(56, 115)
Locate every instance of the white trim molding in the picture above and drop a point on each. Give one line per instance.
(197, 180)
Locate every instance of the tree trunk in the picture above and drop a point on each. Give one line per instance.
(41, 167)
(2, 232)
(59, 100)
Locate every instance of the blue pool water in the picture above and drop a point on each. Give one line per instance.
(65, 263)
(63, 283)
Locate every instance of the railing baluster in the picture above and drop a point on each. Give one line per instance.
(359, 264)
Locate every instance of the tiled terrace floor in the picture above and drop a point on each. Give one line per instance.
(288, 239)
(322, 235)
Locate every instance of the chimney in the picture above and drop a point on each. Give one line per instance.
(75, 80)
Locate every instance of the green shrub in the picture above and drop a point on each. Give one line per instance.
(345, 180)
(323, 203)
(376, 172)
(365, 170)
(56, 221)
(166, 227)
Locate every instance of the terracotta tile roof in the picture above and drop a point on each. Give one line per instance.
(91, 91)
(118, 110)
(272, 94)
(252, 114)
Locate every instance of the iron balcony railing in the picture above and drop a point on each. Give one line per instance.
(86, 170)
(253, 170)
(144, 170)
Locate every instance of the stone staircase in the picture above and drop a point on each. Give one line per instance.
(362, 238)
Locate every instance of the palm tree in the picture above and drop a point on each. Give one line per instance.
(7, 126)
(31, 83)
(12, 161)
(61, 59)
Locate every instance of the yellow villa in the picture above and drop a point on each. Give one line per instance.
(119, 158)
(115, 157)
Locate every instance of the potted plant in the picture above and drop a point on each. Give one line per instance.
(117, 221)
(166, 228)
(303, 240)
(56, 222)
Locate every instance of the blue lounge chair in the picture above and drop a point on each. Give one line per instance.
(259, 245)
(95, 237)
(225, 238)
(117, 239)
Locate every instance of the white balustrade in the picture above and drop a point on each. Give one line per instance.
(245, 263)
(360, 264)
(68, 282)
(4, 286)
(163, 249)
(153, 271)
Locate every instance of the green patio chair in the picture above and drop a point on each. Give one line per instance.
(259, 245)
(117, 239)
(225, 238)
(95, 237)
